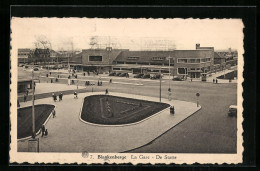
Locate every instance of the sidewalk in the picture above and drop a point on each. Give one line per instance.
(68, 134)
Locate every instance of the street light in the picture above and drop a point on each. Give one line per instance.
(33, 114)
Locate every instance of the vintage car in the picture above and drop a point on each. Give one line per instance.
(118, 74)
(138, 76)
(146, 76)
(123, 75)
(155, 76)
(232, 111)
(176, 78)
(112, 74)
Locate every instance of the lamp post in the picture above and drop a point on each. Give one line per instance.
(160, 84)
(33, 114)
(169, 72)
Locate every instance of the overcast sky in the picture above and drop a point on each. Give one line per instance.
(133, 34)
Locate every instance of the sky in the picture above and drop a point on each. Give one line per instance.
(133, 34)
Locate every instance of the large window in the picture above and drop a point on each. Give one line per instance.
(182, 71)
(182, 60)
(158, 58)
(194, 60)
(95, 58)
(189, 60)
(133, 57)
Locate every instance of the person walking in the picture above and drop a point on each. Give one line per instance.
(53, 97)
(60, 96)
(53, 113)
(106, 91)
(43, 130)
(24, 98)
(216, 81)
(75, 95)
(46, 132)
(213, 80)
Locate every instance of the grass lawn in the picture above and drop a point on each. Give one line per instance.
(24, 127)
(112, 110)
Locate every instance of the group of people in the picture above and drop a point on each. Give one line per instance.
(44, 131)
(99, 83)
(215, 81)
(54, 96)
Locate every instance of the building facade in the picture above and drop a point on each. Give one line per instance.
(24, 55)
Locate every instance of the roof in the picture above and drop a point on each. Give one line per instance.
(217, 55)
(24, 50)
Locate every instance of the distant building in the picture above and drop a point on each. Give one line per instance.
(24, 55)
(41, 55)
(218, 58)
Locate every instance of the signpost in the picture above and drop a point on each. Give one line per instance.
(197, 94)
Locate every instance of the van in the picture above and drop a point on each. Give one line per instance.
(232, 111)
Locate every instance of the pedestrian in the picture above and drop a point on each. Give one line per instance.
(27, 92)
(54, 113)
(216, 81)
(191, 79)
(24, 98)
(213, 80)
(60, 96)
(46, 132)
(75, 95)
(43, 130)
(18, 103)
(106, 91)
(50, 73)
(101, 83)
(55, 97)
(110, 81)
(51, 80)
(84, 74)
(98, 83)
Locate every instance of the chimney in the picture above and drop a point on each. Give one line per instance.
(197, 46)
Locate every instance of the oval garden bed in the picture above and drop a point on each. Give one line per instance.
(24, 119)
(113, 110)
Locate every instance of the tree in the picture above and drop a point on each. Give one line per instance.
(42, 42)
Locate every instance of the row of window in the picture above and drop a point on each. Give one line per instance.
(153, 58)
(142, 63)
(193, 60)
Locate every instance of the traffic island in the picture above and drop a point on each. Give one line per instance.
(113, 110)
(24, 119)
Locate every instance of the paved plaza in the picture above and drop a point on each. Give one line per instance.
(68, 133)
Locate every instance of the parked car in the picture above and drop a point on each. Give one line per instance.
(112, 74)
(232, 111)
(138, 76)
(118, 74)
(155, 76)
(146, 76)
(36, 69)
(176, 78)
(123, 75)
